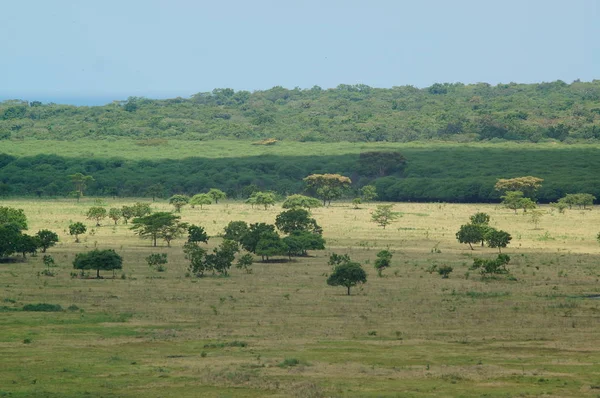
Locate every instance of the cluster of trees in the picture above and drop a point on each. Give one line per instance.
(480, 231)
(12, 238)
(447, 111)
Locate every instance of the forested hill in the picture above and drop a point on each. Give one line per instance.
(357, 113)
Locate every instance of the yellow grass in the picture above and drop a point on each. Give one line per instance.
(409, 333)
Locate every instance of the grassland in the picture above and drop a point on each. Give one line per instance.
(281, 331)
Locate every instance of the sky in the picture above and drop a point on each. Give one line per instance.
(93, 52)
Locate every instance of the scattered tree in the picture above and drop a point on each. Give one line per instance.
(77, 229)
(337, 259)
(235, 230)
(197, 234)
(384, 260)
(356, 202)
(195, 254)
(156, 190)
(480, 219)
(348, 274)
(200, 199)
(46, 239)
(216, 194)
(115, 214)
(178, 201)
(535, 217)
(105, 260)
(445, 271)
(158, 225)
(270, 244)
(368, 193)
(157, 261)
(127, 212)
(527, 185)
(328, 186)
(300, 201)
(250, 239)
(491, 267)
(245, 262)
(497, 238)
(265, 199)
(299, 242)
(26, 244)
(470, 233)
(384, 216)
(80, 182)
(97, 213)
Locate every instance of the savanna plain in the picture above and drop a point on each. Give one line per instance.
(282, 331)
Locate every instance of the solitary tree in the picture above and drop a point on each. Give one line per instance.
(265, 199)
(105, 260)
(384, 260)
(96, 213)
(470, 233)
(348, 275)
(178, 201)
(77, 229)
(383, 215)
(216, 194)
(328, 186)
(46, 239)
(200, 199)
(535, 217)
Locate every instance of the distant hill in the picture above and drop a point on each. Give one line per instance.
(356, 113)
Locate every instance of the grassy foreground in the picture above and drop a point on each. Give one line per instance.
(281, 331)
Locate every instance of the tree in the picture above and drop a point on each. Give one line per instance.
(296, 220)
(195, 254)
(158, 225)
(80, 182)
(337, 259)
(497, 238)
(527, 185)
(356, 202)
(157, 261)
(384, 260)
(348, 274)
(368, 193)
(299, 242)
(26, 244)
(96, 213)
(514, 200)
(328, 186)
(265, 199)
(197, 234)
(245, 262)
(178, 201)
(384, 216)
(9, 236)
(127, 212)
(269, 245)
(46, 239)
(250, 239)
(480, 219)
(155, 190)
(141, 209)
(216, 194)
(490, 267)
(115, 214)
(173, 231)
(300, 201)
(445, 271)
(235, 230)
(77, 229)
(582, 200)
(470, 233)
(535, 217)
(200, 199)
(222, 257)
(105, 260)
(9, 215)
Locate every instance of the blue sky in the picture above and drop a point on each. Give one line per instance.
(94, 51)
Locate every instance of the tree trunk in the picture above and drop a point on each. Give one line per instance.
(98, 273)
(348, 290)
(471, 246)
(154, 239)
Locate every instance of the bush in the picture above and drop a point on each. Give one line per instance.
(445, 271)
(42, 307)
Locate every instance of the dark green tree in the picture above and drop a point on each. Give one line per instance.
(46, 239)
(470, 233)
(348, 275)
(197, 234)
(384, 260)
(155, 191)
(200, 199)
(236, 230)
(115, 214)
(100, 260)
(157, 225)
(77, 228)
(497, 239)
(9, 215)
(296, 220)
(299, 242)
(270, 244)
(250, 239)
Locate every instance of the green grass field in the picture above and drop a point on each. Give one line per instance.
(281, 331)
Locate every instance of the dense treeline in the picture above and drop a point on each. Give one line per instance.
(359, 113)
(440, 173)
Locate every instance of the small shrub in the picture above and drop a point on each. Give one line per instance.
(289, 362)
(42, 307)
(445, 271)
(26, 341)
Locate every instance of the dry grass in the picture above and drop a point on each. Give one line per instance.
(409, 333)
